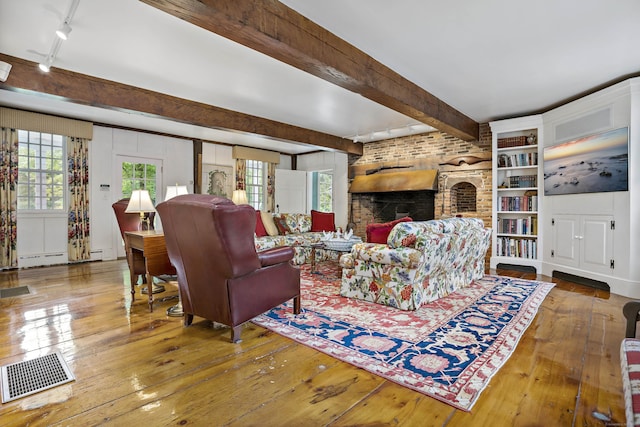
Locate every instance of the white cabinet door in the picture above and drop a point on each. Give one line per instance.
(291, 191)
(597, 243)
(584, 242)
(565, 240)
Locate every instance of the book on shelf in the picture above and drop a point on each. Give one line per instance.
(517, 247)
(523, 181)
(518, 203)
(525, 226)
(517, 160)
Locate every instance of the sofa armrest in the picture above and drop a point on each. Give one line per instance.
(383, 254)
(275, 256)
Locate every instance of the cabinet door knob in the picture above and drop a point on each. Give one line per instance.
(577, 237)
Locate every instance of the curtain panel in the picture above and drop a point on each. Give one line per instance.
(241, 172)
(79, 245)
(271, 187)
(8, 198)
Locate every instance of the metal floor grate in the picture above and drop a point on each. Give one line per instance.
(32, 376)
(14, 292)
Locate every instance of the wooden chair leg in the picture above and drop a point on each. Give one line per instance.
(296, 305)
(188, 318)
(631, 311)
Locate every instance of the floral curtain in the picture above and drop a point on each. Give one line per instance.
(78, 222)
(271, 185)
(8, 198)
(241, 171)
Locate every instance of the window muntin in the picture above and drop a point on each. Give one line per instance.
(255, 183)
(41, 171)
(139, 176)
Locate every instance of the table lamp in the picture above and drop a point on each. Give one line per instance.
(175, 190)
(140, 202)
(239, 197)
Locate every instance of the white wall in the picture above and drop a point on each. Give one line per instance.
(615, 107)
(177, 162)
(338, 163)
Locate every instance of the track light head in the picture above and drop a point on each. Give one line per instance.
(63, 32)
(46, 64)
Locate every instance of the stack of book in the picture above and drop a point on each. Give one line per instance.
(518, 203)
(519, 248)
(523, 181)
(525, 226)
(514, 160)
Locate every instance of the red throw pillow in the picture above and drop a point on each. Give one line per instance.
(322, 221)
(378, 233)
(260, 230)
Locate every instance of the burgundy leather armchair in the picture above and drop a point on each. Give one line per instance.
(220, 275)
(131, 222)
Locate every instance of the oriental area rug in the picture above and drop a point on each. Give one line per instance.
(448, 349)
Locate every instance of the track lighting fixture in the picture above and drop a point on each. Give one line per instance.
(46, 64)
(63, 32)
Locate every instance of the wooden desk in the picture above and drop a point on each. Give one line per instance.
(150, 244)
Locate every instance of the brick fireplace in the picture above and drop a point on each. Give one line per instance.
(460, 190)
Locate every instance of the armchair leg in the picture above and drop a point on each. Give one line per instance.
(235, 334)
(631, 311)
(296, 305)
(188, 318)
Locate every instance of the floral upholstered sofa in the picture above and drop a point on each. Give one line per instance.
(421, 262)
(294, 229)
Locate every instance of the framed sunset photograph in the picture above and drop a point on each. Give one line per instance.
(592, 164)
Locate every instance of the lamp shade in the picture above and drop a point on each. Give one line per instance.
(140, 201)
(239, 197)
(175, 190)
(63, 32)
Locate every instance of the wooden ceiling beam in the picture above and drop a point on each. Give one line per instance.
(88, 90)
(274, 29)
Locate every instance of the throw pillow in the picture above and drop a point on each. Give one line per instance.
(322, 221)
(281, 225)
(296, 222)
(378, 233)
(269, 225)
(260, 230)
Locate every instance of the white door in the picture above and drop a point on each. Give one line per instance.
(134, 173)
(291, 191)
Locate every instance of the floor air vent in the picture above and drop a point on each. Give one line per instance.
(14, 292)
(32, 376)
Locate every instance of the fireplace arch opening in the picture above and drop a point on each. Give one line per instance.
(463, 196)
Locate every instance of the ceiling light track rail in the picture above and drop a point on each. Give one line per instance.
(62, 34)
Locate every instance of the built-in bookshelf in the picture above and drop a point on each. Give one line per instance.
(516, 190)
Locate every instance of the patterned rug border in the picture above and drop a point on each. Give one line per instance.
(469, 384)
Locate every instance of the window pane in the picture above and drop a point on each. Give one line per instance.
(41, 179)
(139, 170)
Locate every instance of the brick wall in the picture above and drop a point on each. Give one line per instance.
(434, 145)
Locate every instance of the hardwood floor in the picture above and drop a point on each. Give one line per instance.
(134, 366)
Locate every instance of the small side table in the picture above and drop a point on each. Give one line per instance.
(154, 251)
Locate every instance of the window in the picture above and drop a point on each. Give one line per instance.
(41, 171)
(322, 191)
(255, 183)
(139, 176)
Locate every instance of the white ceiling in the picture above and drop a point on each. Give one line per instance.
(489, 59)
